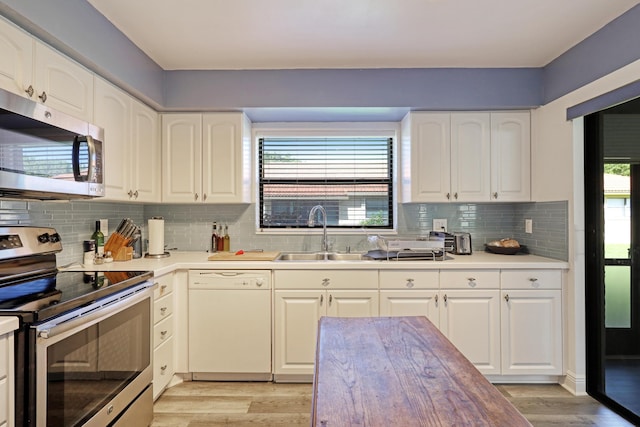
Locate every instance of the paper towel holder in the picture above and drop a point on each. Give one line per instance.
(164, 255)
(158, 255)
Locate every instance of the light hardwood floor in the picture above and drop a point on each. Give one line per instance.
(200, 404)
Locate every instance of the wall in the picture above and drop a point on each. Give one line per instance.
(557, 174)
(188, 227)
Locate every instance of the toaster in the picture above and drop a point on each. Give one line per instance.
(462, 243)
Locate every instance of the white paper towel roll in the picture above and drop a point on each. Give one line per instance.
(156, 235)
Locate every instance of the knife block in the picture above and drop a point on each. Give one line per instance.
(124, 253)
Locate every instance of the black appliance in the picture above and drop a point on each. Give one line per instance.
(83, 350)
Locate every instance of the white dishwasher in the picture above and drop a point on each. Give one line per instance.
(230, 325)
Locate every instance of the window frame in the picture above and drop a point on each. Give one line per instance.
(320, 130)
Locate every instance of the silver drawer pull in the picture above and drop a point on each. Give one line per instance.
(326, 282)
(506, 297)
(533, 279)
(163, 310)
(163, 333)
(163, 368)
(410, 283)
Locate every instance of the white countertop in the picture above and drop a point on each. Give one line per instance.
(190, 260)
(8, 324)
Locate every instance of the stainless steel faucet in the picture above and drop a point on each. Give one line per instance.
(312, 222)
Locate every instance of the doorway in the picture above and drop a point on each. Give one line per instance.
(612, 244)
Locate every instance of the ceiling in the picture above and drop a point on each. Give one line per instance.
(309, 34)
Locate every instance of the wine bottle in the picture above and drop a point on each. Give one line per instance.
(98, 237)
(227, 239)
(214, 238)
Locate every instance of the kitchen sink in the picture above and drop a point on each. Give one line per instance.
(321, 256)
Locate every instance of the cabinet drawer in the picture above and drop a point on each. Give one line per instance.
(162, 366)
(531, 279)
(409, 279)
(162, 308)
(162, 331)
(326, 279)
(165, 286)
(470, 279)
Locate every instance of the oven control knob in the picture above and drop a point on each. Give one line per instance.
(43, 238)
(44, 334)
(54, 238)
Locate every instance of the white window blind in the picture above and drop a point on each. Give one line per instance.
(350, 177)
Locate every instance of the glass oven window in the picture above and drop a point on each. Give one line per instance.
(89, 368)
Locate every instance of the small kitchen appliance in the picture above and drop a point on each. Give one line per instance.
(462, 243)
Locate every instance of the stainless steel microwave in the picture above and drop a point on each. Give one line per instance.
(46, 154)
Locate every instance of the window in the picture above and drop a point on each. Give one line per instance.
(351, 177)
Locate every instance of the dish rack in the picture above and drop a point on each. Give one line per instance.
(431, 247)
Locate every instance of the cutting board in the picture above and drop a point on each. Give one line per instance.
(247, 256)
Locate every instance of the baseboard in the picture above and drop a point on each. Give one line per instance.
(575, 384)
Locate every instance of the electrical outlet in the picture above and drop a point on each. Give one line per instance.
(528, 226)
(439, 225)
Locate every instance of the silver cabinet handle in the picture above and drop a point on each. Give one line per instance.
(163, 368)
(330, 299)
(43, 97)
(495, 195)
(436, 298)
(204, 197)
(533, 279)
(321, 299)
(196, 196)
(445, 298)
(29, 91)
(506, 297)
(455, 196)
(163, 333)
(326, 282)
(130, 193)
(163, 310)
(409, 283)
(448, 196)
(472, 282)
(135, 194)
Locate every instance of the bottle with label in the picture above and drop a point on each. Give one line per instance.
(214, 238)
(220, 245)
(98, 237)
(227, 239)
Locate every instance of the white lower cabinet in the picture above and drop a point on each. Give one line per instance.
(7, 374)
(471, 321)
(163, 326)
(301, 298)
(531, 314)
(470, 315)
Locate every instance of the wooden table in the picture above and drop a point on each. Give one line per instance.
(400, 371)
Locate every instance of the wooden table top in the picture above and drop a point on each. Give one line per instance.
(400, 371)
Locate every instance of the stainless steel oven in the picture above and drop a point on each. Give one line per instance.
(83, 349)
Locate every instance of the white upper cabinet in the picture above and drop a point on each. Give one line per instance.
(510, 156)
(426, 157)
(34, 70)
(62, 84)
(465, 157)
(206, 158)
(470, 157)
(131, 144)
(16, 58)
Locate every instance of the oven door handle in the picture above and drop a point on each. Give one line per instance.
(92, 313)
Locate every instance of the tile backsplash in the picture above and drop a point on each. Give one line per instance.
(188, 227)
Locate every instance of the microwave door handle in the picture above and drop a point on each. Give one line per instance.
(76, 157)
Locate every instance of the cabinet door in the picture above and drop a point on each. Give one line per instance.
(531, 332)
(145, 154)
(470, 157)
(510, 156)
(426, 157)
(224, 165)
(296, 328)
(471, 321)
(113, 113)
(181, 158)
(352, 303)
(62, 83)
(16, 59)
(410, 303)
